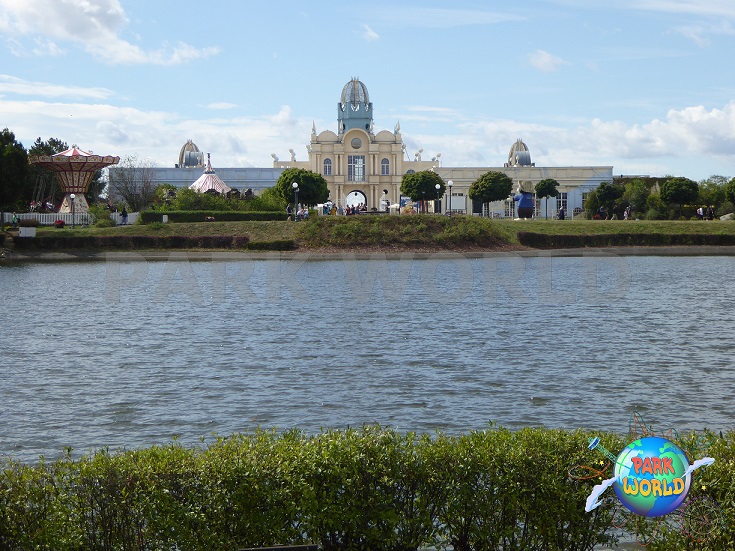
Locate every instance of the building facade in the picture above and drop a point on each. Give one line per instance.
(357, 161)
(361, 165)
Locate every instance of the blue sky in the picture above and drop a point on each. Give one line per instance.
(646, 86)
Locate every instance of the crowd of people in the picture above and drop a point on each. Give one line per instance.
(707, 212)
(329, 209)
(41, 206)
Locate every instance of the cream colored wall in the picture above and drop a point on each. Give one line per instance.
(329, 145)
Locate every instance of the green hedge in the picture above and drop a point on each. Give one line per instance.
(131, 242)
(362, 489)
(200, 216)
(547, 241)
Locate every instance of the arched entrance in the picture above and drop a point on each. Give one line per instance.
(356, 199)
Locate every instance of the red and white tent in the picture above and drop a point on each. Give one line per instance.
(210, 181)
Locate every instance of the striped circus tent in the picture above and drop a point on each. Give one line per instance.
(209, 181)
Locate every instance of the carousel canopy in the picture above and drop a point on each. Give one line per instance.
(210, 181)
(74, 168)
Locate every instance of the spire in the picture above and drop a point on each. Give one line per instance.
(209, 169)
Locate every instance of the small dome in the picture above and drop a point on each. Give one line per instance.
(354, 93)
(519, 154)
(190, 156)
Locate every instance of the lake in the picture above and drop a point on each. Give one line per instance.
(129, 352)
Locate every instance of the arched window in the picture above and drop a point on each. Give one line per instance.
(327, 167)
(385, 167)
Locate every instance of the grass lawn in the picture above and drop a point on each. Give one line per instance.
(415, 231)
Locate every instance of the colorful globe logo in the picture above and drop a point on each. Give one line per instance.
(651, 476)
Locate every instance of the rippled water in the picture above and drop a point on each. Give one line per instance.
(129, 354)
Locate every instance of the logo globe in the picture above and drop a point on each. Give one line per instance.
(652, 477)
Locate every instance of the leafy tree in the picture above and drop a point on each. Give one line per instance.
(730, 190)
(269, 199)
(609, 195)
(713, 191)
(680, 191)
(491, 186)
(547, 188)
(132, 182)
(656, 209)
(13, 171)
(636, 194)
(43, 184)
(312, 186)
(591, 204)
(422, 185)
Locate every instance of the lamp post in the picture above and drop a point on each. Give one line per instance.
(438, 187)
(423, 201)
(72, 197)
(449, 207)
(385, 200)
(295, 187)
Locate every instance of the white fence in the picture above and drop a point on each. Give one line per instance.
(79, 219)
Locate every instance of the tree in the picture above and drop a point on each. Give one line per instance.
(609, 195)
(730, 190)
(636, 194)
(13, 171)
(713, 191)
(422, 185)
(312, 186)
(132, 182)
(680, 191)
(43, 184)
(547, 188)
(491, 186)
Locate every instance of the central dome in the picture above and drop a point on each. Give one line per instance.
(354, 93)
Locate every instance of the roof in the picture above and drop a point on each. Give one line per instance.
(210, 181)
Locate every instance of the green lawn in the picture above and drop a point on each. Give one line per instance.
(430, 231)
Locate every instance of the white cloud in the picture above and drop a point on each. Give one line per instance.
(96, 26)
(369, 34)
(14, 85)
(544, 61)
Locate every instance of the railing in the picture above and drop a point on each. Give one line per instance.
(80, 218)
(48, 218)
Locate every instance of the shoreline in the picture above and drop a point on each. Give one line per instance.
(357, 254)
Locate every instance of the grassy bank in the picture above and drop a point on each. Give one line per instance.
(418, 232)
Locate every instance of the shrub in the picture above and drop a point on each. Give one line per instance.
(59, 223)
(201, 215)
(28, 223)
(104, 222)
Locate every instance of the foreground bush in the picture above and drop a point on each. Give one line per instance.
(365, 489)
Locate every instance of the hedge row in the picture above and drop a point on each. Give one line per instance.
(546, 241)
(132, 242)
(363, 489)
(357, 489)
(200, 216)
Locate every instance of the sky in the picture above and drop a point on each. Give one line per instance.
(645, 86)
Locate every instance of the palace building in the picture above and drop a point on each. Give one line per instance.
(362, 165)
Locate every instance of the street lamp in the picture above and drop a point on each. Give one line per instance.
(438, 187)
(295, 187)
(72, 197)
(423, 201)
(449, 208)
(385, 200)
